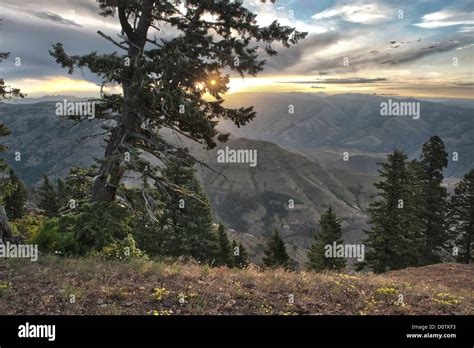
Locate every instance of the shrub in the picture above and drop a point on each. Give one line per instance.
(124, 250)
(96, 225)
(51, 239)
(27, 227)
(89, 229)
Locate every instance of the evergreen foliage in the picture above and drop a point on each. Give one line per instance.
(186, 222)
(164, 79)
(16, 199)
(48, 198)
(330, 231)
(434, 159)
(240, 255)
(5, 185)
(224, 255)
(275, 252)
(462, 218)
(394, 240)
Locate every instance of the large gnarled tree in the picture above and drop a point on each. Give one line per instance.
(165, 77)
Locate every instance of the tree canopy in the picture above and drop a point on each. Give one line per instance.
(164, 77)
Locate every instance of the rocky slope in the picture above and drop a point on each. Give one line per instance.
(353, 122)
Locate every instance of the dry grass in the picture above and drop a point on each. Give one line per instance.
(90, 286)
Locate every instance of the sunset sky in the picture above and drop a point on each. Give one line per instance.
(414, 48)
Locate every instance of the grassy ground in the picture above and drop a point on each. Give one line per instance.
(90, 286)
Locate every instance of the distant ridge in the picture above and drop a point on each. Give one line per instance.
(46, 98)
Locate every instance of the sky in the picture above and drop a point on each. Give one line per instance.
(415, 48)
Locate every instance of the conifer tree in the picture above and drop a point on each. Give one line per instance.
(6, 92)
(5, 187)
(240, 255)
(61, 189)
(4, 131)
(394, 240)
(275, 252)
(16, 199)
(330, 232)
(224, 255)
(462, 218)
(434, 159)
(79, 182)
(48, 198)
(164, 75)
(186, 222)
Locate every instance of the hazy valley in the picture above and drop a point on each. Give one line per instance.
(300, 158)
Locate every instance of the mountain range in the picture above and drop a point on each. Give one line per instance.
(324, 154)
(325, 126)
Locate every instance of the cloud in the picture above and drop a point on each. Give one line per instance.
(466, 30)
(386, 56)
(465, 47)
(446, 18)
(31, 39)
(289, 58)
(465, 84)
(335, 32)
(53, 17)
(353, 80)
(358, 12)
(411, 55)
(267, 13)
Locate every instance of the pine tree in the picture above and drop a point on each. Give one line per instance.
(164, 78)
(6, 92)
(79, 182)
(462, 217)
(5, 187)
(240, 255)
(16, 199)
(224, 255)
(394, 240)
(186, 221)
(63, 196)
(4, 131)
(330, 232)
(434, 159)
(48, 198)
(275, 252)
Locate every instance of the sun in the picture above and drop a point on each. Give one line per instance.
(213, 82)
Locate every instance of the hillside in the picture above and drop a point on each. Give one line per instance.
(353, 121)
(47, 143)
(249, 199)
(144, 287)
(299, 158)
(256, 199)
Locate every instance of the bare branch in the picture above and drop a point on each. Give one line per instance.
(107, 37)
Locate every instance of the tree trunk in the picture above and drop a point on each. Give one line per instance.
(5, 231)
(106, 183)
(111, 171)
